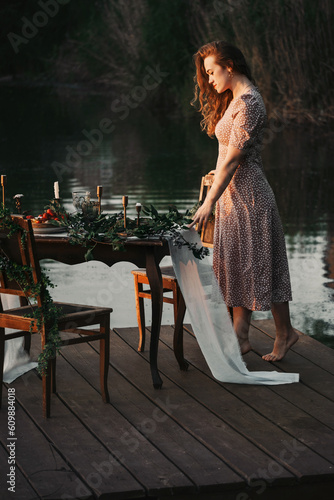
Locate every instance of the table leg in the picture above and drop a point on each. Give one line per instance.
(178, 334)
(154, 277)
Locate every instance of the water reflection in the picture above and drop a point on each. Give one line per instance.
(155, 160)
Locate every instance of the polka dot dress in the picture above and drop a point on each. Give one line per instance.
(249, 257)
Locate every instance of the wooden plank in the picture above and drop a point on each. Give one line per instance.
(305, 398)
(245, 419)
(231, 446)
(312, 375)
(23, 490)
(311, 349)
(84, 453)
(150, 422)
(146, 463)
(298, 423)
(323, 491)
(48, 473)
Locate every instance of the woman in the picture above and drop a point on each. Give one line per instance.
(249, 257)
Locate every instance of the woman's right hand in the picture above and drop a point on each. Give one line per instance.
(212, 172)
(202, 215)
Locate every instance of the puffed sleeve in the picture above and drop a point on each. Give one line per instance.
(248, 119)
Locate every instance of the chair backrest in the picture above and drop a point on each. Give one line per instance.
(19, 248)
(207, 181)
(208, 229)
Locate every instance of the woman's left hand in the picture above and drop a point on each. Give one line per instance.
(202, 215)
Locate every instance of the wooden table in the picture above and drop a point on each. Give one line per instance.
(146, 253)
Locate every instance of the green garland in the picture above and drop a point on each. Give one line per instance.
(48, 312)
(87, 230)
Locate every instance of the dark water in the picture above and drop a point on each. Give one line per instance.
(47, 136)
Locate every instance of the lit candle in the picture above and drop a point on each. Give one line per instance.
(56, 190)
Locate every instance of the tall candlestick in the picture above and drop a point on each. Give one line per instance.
(3, 184)
(99, 192)
(125, 204)
(56, 190)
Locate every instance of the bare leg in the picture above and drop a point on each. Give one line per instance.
(286, 336)
(241, 322)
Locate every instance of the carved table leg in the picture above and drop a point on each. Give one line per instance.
(178, 334)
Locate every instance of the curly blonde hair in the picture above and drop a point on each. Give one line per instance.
(211, 104)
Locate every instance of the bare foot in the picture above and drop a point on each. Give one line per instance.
(281, 346)
(244, 345)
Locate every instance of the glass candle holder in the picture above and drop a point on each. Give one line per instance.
(91, 207)
(79, 198)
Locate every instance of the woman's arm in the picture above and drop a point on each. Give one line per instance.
(222, 178)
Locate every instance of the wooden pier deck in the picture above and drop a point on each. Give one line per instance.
(194, 439)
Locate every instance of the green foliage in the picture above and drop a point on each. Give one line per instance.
(86, 230)
(288, 43)
(6, 221)
(46, 314)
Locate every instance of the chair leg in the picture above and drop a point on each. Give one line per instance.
(46, 381)
(2, 357)
(27, 338)
(53, 375)
(140, 314)
(104, 358)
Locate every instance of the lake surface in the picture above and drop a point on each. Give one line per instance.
(52, 135)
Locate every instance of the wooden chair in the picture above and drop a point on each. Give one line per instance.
(73, 315)
(169, 284)
(207, 230)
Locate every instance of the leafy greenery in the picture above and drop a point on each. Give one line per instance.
(108, 45)
(86, 229)
(47, 313)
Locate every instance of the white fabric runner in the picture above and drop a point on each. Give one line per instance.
(210, 319)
